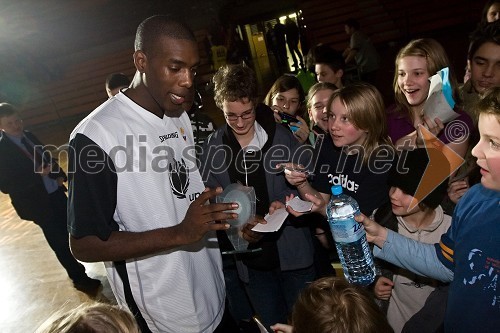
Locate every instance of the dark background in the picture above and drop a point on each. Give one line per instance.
(55, 54)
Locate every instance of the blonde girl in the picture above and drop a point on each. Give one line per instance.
(362, 156)
(415, 64)
(317, 99)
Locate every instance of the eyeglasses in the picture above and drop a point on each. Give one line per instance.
(245, 115)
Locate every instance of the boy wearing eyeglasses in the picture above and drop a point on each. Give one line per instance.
(246, 150)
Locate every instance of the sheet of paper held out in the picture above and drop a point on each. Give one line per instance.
(300, 205)
(440, 103)
(274, 222)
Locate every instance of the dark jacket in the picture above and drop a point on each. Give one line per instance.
(295, 243)
(18, 179)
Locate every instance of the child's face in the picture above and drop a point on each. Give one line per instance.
(342, 131)
(487, 151)
(485, 67)
(413, 79)
(493, 13)
(243, 113)
(325, 73)
(317, 112)
(287, 101)
(400, 202)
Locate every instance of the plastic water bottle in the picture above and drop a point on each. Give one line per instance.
(350, 238)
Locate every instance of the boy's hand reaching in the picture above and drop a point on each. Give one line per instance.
(248, 234)
(375, 233)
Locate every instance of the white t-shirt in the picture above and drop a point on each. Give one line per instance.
(153, 175)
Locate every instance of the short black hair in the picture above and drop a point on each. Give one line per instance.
(155, 27)
(486, 32)
(324, 54)
(117, 80)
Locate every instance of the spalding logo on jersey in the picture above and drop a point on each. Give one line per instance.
(179, 178)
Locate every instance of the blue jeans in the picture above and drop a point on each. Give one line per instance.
(238, 303)
(273, 293)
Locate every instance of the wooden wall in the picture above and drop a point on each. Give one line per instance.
(391, 24)
(59, 104)
(384, 20)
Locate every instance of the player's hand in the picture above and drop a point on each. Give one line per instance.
(201, 216)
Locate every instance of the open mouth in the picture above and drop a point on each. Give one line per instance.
(176, 99)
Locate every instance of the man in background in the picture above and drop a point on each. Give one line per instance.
(362, 52)
(34, 183)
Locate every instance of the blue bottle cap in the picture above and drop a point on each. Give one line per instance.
(336, 189)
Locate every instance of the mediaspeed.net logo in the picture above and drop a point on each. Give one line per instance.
(437, 170)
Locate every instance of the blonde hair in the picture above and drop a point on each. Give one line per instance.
(436, 59)
(91, 318)
(366, 111)
(318, 87)
(332, 305)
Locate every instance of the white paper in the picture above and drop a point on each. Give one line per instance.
(274, 222)
(300, 205)
(436, 105)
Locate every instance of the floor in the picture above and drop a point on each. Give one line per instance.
(33, 284)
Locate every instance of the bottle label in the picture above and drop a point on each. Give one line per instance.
(346, 230)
